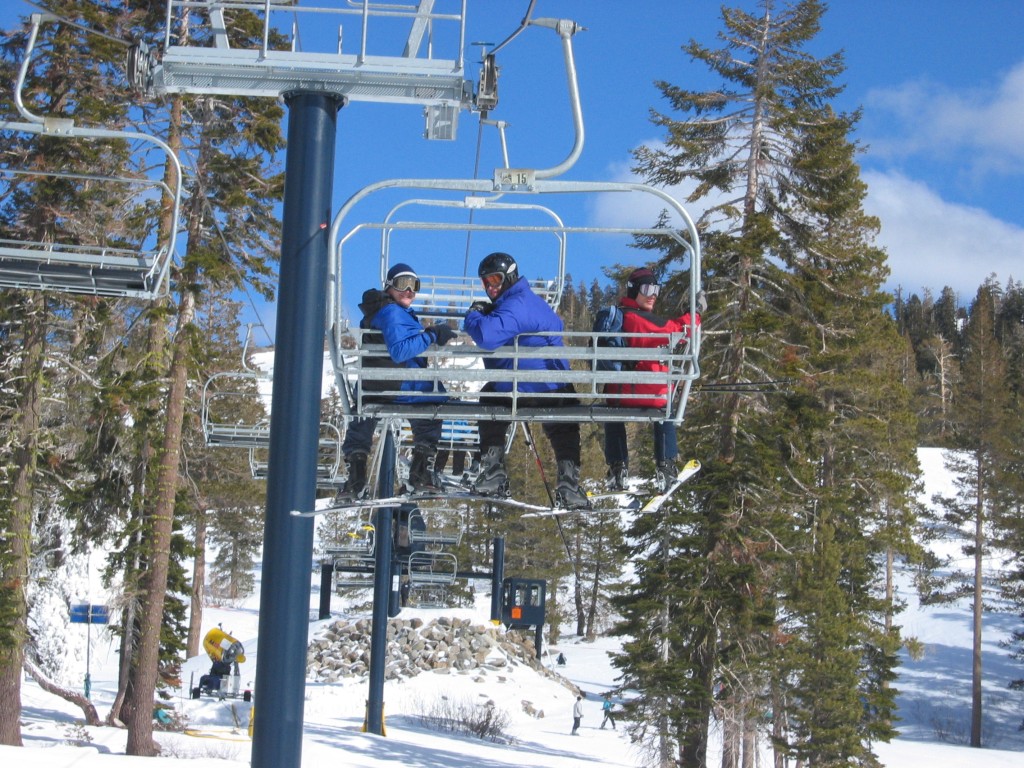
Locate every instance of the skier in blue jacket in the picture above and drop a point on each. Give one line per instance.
(514, 309)
(389, 320)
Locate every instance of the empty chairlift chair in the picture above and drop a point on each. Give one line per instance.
(101, 232)
(353, 555)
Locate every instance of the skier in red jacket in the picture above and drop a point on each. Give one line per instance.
(638, 316)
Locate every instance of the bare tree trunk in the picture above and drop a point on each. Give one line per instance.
(130, 609)
(17, 534)
(778, 729)
(595, 587)
(730, 734)
(979, 552)
(195, 622)
(577, 585)
(140, 717)
(749, 735)
(76, 698)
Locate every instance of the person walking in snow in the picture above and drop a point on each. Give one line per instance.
(607, 708)
(577, 715)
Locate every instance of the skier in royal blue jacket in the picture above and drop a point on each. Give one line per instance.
(389, 320)
(514, 309)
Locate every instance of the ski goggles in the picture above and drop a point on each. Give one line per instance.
(649, 289)
(493, 280)
(404, 283)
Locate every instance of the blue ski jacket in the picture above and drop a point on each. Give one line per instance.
(516, 311)
(405, 339)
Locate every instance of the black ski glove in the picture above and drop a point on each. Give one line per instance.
(442, 333)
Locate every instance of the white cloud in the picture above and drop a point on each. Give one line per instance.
(933, 243)
(983, 127)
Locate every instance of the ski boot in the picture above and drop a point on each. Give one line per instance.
(665, 473)
(617, 477)
(568, 493)
(493, 479)
(422, 477)
(355, 484)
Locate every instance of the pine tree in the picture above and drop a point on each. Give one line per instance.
(225, 502)
(233, 190)
(1009, 521)
(983, 407)
(231, 241)
(795, 296)
(48, 328)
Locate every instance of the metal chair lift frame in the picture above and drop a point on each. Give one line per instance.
(328, 467)
(440, 525)
(451, 366)
(445, 297)
(438, 84)
(455, 436)
(429, 595)
(432, 568)
(94, 269)
(353, 561)
(454, 365)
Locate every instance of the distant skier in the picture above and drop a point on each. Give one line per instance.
(577, 715)
(561, 659)
(607, 708)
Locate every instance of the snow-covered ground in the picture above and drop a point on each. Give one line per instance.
(934, 703)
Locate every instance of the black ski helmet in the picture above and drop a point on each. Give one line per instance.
(499, 263)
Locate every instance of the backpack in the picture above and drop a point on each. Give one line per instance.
(609, 320)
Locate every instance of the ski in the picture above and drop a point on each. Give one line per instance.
(627, 499)
(449, 496)
(689, 469)
(653, 504)
(563, 511)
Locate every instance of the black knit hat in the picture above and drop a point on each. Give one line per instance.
(637, 278)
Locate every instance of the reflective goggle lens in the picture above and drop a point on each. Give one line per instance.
(493, 280)
(403, 283)
(650, 289)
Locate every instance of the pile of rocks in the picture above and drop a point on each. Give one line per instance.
(443, 646)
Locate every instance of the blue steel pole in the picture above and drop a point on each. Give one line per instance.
(294, 431)
(497, 577)
(382, 537)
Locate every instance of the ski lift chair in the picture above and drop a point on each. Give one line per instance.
(434, 526)
(429, 596)
(432, 568)
(83, 256)
(329, 456)
(353, 557)
(458, 364)
(223, 394)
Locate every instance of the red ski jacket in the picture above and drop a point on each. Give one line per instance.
(634, 320)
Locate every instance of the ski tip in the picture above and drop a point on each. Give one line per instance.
(693, 465)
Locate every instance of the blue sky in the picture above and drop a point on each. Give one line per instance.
(940, 83)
